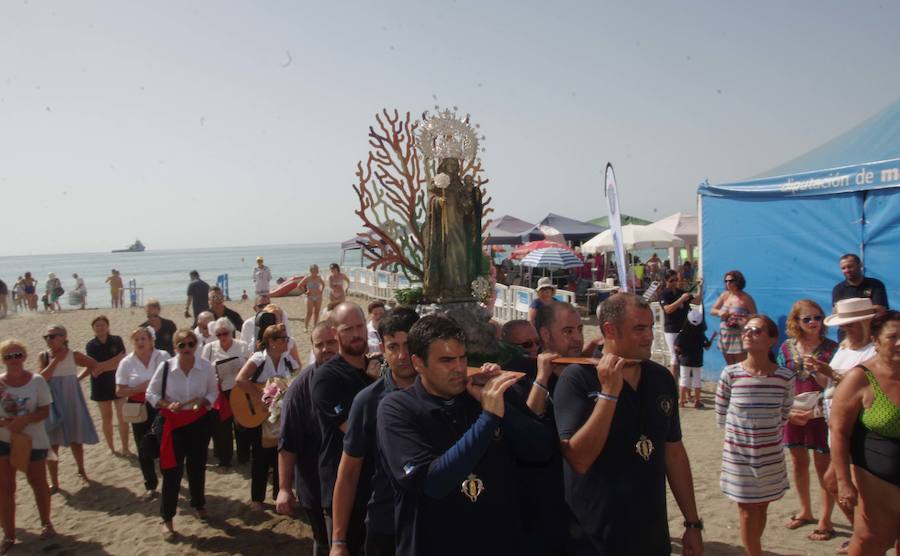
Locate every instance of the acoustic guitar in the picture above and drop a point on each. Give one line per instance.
(249, 411)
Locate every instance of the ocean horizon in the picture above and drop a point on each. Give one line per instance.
(163, 273)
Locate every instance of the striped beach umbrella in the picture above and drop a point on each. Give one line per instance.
(552, 258)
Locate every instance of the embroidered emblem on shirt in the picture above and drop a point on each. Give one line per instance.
(472, 487)
(644, 447)
(666, 405)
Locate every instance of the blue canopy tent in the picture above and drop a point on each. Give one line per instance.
(786, 229)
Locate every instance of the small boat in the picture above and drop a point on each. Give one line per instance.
(287, 287)
(136, 247)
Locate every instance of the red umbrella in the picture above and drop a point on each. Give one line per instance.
(522, 250)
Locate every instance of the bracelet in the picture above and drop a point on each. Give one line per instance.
(608, 397)
(694, 524)
(338, 542)
(544, 388)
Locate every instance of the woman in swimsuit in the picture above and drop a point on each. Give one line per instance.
(733, 307)
(339, 283)
(865, 431)
(312, 285)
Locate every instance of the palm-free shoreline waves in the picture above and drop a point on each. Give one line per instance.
(163, 273)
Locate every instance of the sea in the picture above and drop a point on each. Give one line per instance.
(164, 273)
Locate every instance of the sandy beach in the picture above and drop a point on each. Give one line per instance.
(109, 517)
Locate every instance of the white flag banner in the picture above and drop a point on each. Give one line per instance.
(615, 226)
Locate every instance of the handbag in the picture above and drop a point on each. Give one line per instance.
(151, 440)
(134, 412)
(20, 451)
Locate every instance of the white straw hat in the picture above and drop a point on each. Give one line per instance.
(850, 310)
(545, 282)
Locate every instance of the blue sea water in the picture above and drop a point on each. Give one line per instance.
(163, 273)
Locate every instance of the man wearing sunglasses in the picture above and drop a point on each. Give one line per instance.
(163, 329)
(521, 333)
(218, 308)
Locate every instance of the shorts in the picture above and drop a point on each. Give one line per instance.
(691, 377)
(812, 436)
(36, 455)
(670, 341)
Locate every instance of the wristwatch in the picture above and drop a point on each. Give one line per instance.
(694, 524)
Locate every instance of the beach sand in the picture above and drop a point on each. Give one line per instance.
(109, 517)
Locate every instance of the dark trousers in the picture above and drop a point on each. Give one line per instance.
(146, 456)
(262, 460)
(222, 438)
(190, 442)
(356, 529)
(316, 520)
(378, 544)
(242, 438)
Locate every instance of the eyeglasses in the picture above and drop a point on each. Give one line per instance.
(729, 280)
(807, 320)
(11, 356)
(51, 336)
(528, 344)
(222, 334)
(189, 345)
(752, 331)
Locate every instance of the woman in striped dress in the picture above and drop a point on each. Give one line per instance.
(753, 401)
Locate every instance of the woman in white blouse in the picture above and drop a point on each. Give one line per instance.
(228, 357)
(132, 378)
(182, 389)
(273, 360)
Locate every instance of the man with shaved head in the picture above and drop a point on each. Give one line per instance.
(333, 388)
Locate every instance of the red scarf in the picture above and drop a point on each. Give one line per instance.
(174, 420)
(223, 406)
(138, 397)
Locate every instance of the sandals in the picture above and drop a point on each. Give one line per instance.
(844, 548)
(822, 535)
(796, 523)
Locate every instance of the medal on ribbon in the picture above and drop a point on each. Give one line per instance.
(644, 447)
(472, 487)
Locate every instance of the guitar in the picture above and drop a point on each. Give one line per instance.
(249, 411)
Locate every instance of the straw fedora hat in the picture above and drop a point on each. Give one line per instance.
(850, 310)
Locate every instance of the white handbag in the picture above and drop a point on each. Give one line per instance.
(134, 412)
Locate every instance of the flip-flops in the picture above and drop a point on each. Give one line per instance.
(796, 523)
(844, 548)
(822, 535)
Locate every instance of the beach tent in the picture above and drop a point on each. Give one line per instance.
(508, 230)
(684, 226)
(553, 226)
(603, 221)
(786, 229)
(634, 237)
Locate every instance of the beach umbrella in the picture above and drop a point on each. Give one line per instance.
(633, 237)
(685, 226)
(521, 251)
(552, 258)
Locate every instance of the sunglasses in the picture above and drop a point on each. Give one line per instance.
(752, 331)
(528, 344)
(816, 318)
(217, 298)
(189, 345)
(730, 280)
(51, 336)
(11, 356)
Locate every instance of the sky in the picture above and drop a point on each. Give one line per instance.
(224, 123)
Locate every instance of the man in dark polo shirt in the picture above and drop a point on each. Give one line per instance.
(218, 308)
(621, 438)
(550, 527)
(360, 463)
(301, 439)
(197, 297)
(333, 388)
(449, 444)
(857, 285)
(163, 329)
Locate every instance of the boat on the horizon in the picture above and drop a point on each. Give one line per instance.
(136, 247)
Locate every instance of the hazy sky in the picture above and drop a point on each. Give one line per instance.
(219, 123)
